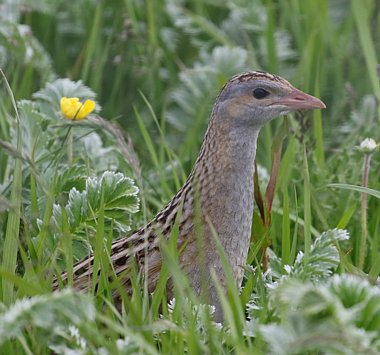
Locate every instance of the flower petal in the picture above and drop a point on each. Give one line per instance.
(85, 109)
(73, 109)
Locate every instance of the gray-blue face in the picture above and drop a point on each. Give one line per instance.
(255, 101)
(261, 91)
(254, 98)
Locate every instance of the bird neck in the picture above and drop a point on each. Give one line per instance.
(223, 174)
(227, 153)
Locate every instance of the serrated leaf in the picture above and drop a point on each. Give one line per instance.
(100, 158)
(33, 130)
(77, 207)
(356, 293)
(323, 258)
(334, 316)
(83, 207)
(72, 176)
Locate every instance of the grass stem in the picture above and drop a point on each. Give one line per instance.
(363, 239)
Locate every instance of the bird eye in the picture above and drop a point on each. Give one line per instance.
(260, 93)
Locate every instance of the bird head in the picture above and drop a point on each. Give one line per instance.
(254, 98)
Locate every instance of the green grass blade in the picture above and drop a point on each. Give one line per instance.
(342, 224)
(286, 248)
(44, 231)
(366, 190)
(99, 248)
(164, 143)
(318, 133)
(375, 270)
(361, 13)
(68, 246)
(26, 287)
(152, 152)
(307, 204)
(11, 241)
(92, 42)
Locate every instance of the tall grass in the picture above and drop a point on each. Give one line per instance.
(155, 68)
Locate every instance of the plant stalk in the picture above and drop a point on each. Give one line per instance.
(363, 240)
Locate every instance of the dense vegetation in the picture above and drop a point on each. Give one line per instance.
(153, 68)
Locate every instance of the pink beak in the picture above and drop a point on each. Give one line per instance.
(298, 100)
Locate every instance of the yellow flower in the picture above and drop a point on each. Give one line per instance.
(73, 109)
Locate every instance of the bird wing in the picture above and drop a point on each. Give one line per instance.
(134, 247)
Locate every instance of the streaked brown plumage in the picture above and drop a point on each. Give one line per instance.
(220, 185)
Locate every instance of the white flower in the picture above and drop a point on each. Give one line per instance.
(123, 344)
(74, 332)
(288, 269)
(368, 145)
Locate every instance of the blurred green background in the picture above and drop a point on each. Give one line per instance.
(163, 62)
(158, 64)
